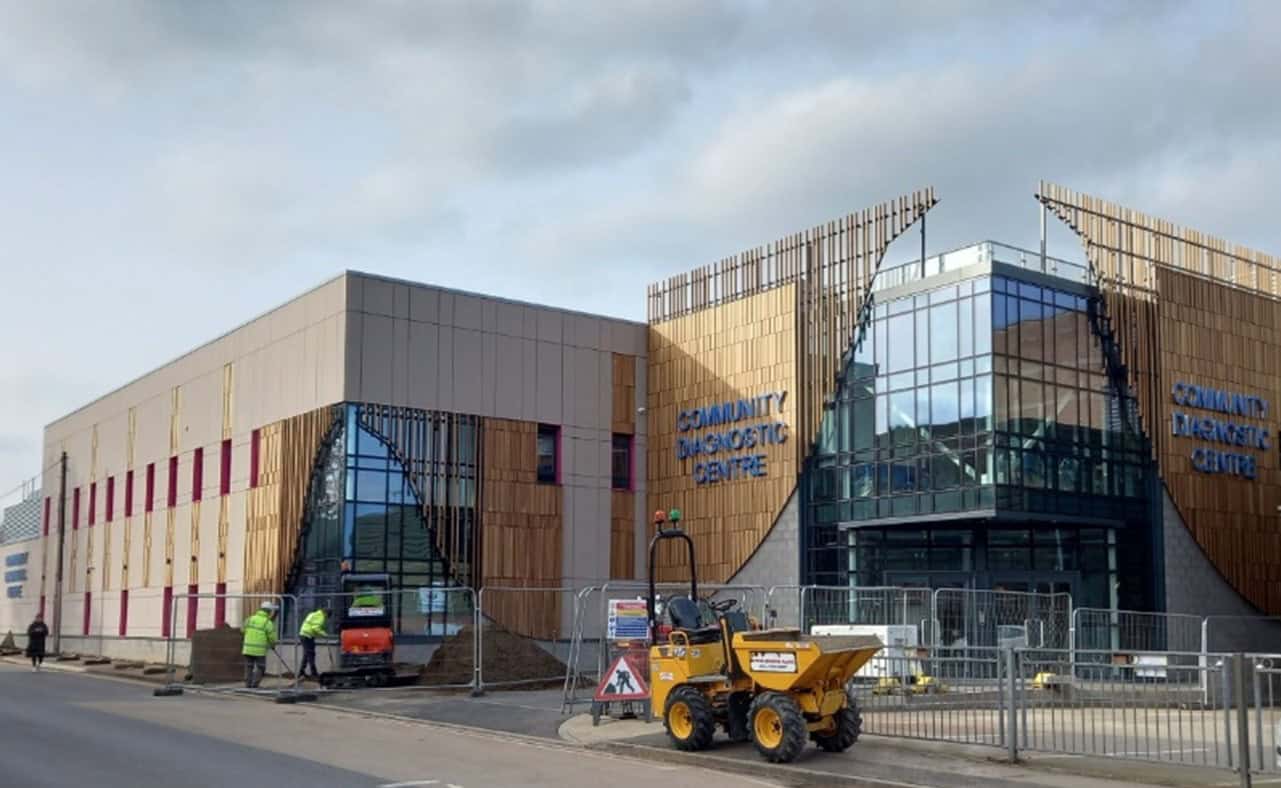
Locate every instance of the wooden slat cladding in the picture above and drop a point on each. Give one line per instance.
(741, 349)
(1187, 307)
(622, 535)
(430, 445)
(624, 394)
(521, 530)
(820, 280)
(275, 507)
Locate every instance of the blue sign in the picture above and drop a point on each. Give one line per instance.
(739, 428)
(14, 592)
(15, 576)
(17, 559)
(1222, 431)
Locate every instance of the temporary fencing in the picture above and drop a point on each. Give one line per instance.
(433, 627)
(973, 618)
(1255, 634)
(904, 613)
(523, 636)
(592, 645)
(1156, 639)
(211, 657)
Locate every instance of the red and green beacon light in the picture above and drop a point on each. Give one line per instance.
(673, 517)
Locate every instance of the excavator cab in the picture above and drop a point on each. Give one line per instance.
(365, 633)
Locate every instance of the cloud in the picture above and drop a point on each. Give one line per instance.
(178, 168)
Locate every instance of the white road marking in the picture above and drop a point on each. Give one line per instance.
(413, 784)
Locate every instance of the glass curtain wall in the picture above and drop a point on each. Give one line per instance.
(988, 396)
(370, 512)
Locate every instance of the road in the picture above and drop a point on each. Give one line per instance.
(62, 729)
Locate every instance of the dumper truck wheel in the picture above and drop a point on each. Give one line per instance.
(848, 725)
(778, 727)
(689, 719)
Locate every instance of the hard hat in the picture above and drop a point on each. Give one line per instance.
(270, 606)
(660, 516)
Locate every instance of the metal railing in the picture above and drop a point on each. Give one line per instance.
(984, 252)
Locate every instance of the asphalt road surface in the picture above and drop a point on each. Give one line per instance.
(62, 729)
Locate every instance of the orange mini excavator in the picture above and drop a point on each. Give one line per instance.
(364, 628)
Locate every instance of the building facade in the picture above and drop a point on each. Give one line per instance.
(985, 418)
(445, 438)
(988, 418)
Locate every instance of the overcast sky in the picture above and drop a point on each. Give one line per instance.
(172, 169)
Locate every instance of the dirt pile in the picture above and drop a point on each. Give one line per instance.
(215, 656)
(507, 658)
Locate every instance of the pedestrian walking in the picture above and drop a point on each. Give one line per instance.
(36, 634)
(260, 636)
(313, 626)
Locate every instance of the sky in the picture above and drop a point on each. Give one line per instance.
(170, 170)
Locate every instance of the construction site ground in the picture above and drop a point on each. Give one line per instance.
(873, 761)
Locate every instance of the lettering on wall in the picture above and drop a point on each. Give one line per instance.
(1219, 431)
(730, 437)
(15, 575)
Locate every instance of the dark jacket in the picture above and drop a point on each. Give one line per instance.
(36, 634)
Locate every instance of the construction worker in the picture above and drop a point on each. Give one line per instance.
(313, 626)
(260, 636)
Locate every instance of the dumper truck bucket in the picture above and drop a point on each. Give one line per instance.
(784, 660)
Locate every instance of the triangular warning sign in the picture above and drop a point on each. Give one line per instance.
(622, 681)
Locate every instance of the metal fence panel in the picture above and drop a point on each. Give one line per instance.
(962, 702)
(200, 652)
(524, 636)
(1249, 634)
(970, 618)
(433, 627)
(1104, 704)
(867, 606)
(590, 650)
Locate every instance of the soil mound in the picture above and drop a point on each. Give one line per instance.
(507, 658)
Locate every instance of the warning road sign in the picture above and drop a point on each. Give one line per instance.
(623, 681)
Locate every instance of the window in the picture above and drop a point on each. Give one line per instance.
(172, 494)
(548, 454)
(224, 470)
(197, 473)
(111, 498)
(254, 440)
(149, 501)
(84, 630)
(128, 493)
(622, 462)
(75, 509)
(124, 612)
(93, 501)
(47, 503)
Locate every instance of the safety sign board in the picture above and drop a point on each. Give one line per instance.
(628, 620)
(773, 662)
(623, 681)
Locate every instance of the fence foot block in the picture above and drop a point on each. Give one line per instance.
(167, 692)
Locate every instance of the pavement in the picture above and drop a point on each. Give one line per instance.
(528, 713)
(68, 727)
(896, 762)
(122, 736)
